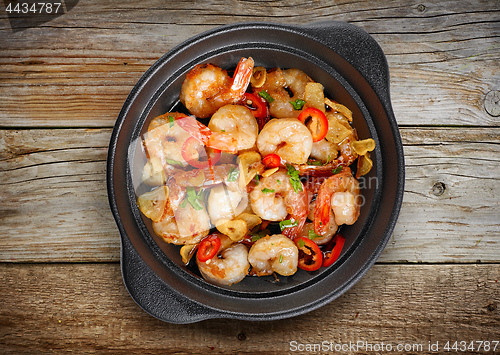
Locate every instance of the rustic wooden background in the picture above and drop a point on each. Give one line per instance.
(62, 85)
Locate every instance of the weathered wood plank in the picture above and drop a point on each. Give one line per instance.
(49, 308)
(443, 56)
(451, 206)
(54, 202)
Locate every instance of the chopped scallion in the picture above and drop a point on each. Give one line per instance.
(266, 96)
(233, 175)
(337, 170)
(288, 223)
(298, 104)
(294, 178)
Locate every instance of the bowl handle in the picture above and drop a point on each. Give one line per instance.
(160, 300)
(358, 48)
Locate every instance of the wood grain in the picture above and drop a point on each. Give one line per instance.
(58, 308)
(77, 70)
(62, 85)
(55, 204)
(450, 207)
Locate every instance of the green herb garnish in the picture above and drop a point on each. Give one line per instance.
(337, 170)
(301, 243)
(268, 191)
(288, 223)
(174, 162)
(194, 198)
(314, 162)
(256, 237)
(259, 235)
(294, 178)
(233, 174)
(281, 258)
(298, 104)
(313, 235)
(266, 96)
(318, 162)
(170, 121)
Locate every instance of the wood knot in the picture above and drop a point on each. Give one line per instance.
(242, 336)
(421, 7)
(438, 188)
(492, 103)
(491, 307)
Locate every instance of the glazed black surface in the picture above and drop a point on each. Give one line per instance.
(353, 70)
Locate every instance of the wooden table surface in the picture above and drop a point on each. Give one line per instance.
(62, 85)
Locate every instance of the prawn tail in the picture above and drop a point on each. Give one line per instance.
(242, 76)
(223, 142)
(322, 212)
(298, 214)
(195, 128)
(293, 232)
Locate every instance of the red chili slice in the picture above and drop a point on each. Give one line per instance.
(196, 154)
(334, 248)
(316, 121)
(271, 161)
(256, 105)
(310, 256)
(208, 248)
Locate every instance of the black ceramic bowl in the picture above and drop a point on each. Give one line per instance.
(353, 69)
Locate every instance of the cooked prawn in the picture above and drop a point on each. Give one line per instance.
(287, 137)
(279, 83)
(346, 156)
(208, 87)
(324, 151)
(312, 186)
(340, 194)
(182, 223)
(164, 139)
(233, 128)
(275, 199)
(229, 266)
(320, 239)
(274, 253)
